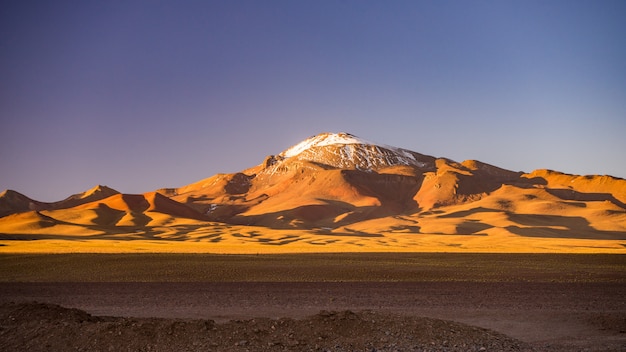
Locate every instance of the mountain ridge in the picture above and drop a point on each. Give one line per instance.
(338, 184)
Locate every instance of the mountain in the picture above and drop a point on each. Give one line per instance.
(12, 202)
(337, 184)
(346, 151)
(332, 179)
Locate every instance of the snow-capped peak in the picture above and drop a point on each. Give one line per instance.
(324, 139)
(344, 150)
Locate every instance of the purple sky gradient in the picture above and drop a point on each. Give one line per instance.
(139, 95)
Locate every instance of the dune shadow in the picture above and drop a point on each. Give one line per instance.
(322, 242)
(129, 233)
(570, 194)
(431, 212)
(249, 235)
(466, 213)
(549, 232)
(279, 241)
(309, 216)
(558, 226)
(355, 233)
(472, 228)
(459, 234)
(527, 182)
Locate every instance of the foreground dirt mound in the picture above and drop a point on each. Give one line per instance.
(47, 327)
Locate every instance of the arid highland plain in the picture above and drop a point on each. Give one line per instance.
(303, 252)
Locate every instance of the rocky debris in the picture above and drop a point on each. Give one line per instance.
(46, 327)
(270, 160)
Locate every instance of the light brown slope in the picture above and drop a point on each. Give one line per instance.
(296, 193)
(313, 199)
(354, 195)
(575, 187)
(453, 183)
(303, 194)
(138, 209)
(12, 202)
(113, 214)
(510, 212)
(36, 225)
(25, 221)
(97, 193)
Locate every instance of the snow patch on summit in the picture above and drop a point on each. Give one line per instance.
(322, 140)
(343, 150)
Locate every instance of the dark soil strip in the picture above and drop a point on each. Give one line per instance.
(368, 267)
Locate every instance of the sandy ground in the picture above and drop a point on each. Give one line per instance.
(546, 316)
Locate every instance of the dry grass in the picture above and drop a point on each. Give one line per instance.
(337, 267)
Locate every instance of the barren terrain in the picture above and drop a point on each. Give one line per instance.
(334, 192)
(337, 302)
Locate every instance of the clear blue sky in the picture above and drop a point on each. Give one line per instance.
(139, 95)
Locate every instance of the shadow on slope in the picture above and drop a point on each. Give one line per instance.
(570, 194)
(559, 226)
(332, 214)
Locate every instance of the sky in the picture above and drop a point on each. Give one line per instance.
(141, 95)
